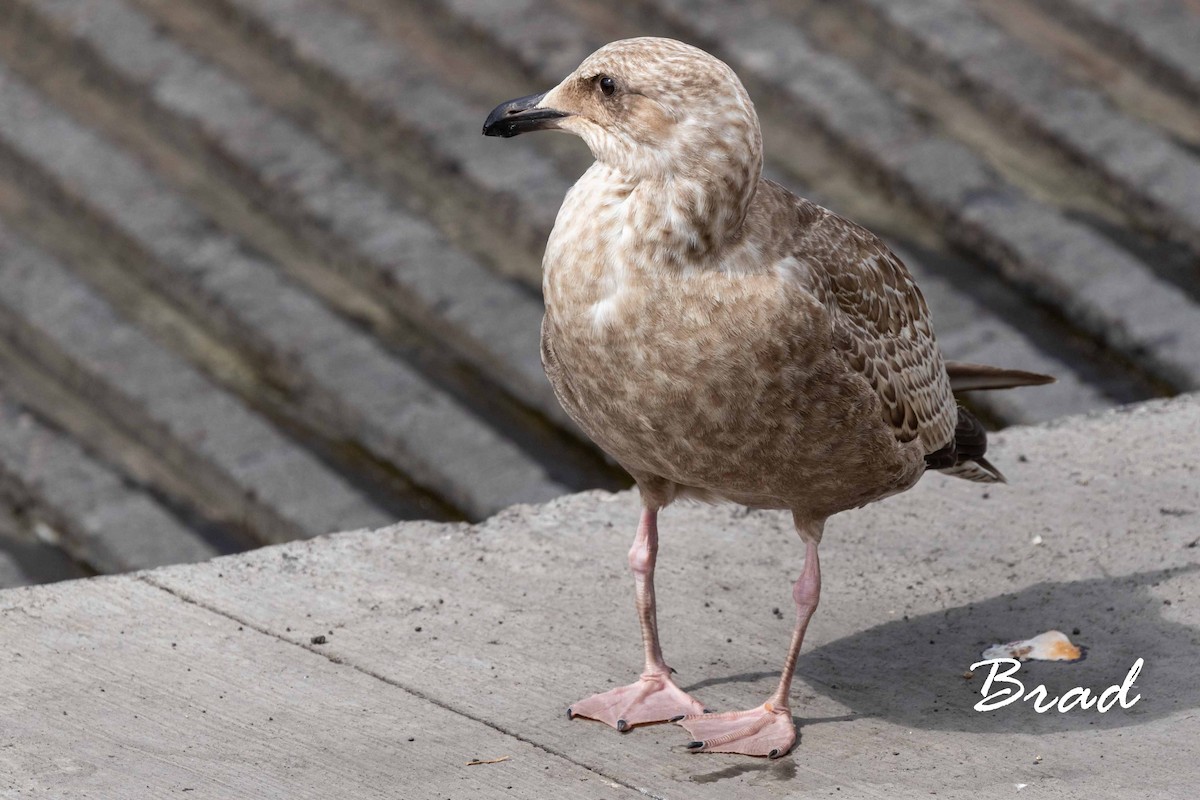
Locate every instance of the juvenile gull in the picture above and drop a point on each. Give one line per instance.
(725, 340)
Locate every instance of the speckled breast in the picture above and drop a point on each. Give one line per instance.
(707, 381)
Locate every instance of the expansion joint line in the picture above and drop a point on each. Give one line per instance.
(186, 598)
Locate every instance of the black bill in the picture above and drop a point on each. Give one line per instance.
(521, 115)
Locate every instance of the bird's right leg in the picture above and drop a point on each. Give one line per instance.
(654, 697)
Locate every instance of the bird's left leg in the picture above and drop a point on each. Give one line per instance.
(766, 730)
(654, 697)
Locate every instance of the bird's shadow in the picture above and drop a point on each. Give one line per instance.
(911, 671)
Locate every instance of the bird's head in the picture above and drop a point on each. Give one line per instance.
(649, 108)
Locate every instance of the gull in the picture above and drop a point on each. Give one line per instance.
(727, 341)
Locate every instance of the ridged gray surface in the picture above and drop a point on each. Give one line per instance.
(298, 291)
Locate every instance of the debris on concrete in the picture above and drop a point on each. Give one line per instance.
(1048, 646)
(476, 762)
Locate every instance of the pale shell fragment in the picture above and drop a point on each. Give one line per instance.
(1048, 646)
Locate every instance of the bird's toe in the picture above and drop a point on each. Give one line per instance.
(762, 731)
(652, 699)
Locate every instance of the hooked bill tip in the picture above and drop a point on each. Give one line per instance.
(519, 116)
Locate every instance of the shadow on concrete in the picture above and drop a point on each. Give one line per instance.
(782, 770)
(910, 671)
(744, 677)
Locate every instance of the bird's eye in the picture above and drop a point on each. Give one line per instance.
(607, 85)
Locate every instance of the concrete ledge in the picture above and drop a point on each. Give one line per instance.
(446, 643)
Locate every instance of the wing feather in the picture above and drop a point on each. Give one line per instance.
(881, 324)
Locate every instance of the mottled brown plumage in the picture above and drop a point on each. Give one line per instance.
(791, 377)
(724, 339)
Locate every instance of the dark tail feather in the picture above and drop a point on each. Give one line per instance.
(964, 457)
(967, 377)
(979, 470)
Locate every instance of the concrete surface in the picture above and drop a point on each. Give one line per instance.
(442, 447)
(281, 489)
(1140, 165)
(68, 499)
(1157, 35)
(447, 643)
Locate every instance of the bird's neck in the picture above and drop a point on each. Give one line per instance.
(613, 224)
(693, 204)
(690, 220)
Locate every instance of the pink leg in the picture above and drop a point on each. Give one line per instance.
(654, 697)
(766, 730)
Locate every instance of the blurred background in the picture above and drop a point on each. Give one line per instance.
(261, 278)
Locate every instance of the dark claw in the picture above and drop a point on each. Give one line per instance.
(695, 745)
(774, 753)
(674, 671)
(622, 725)
(676, 719)
(708, 711)
(569, 714)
